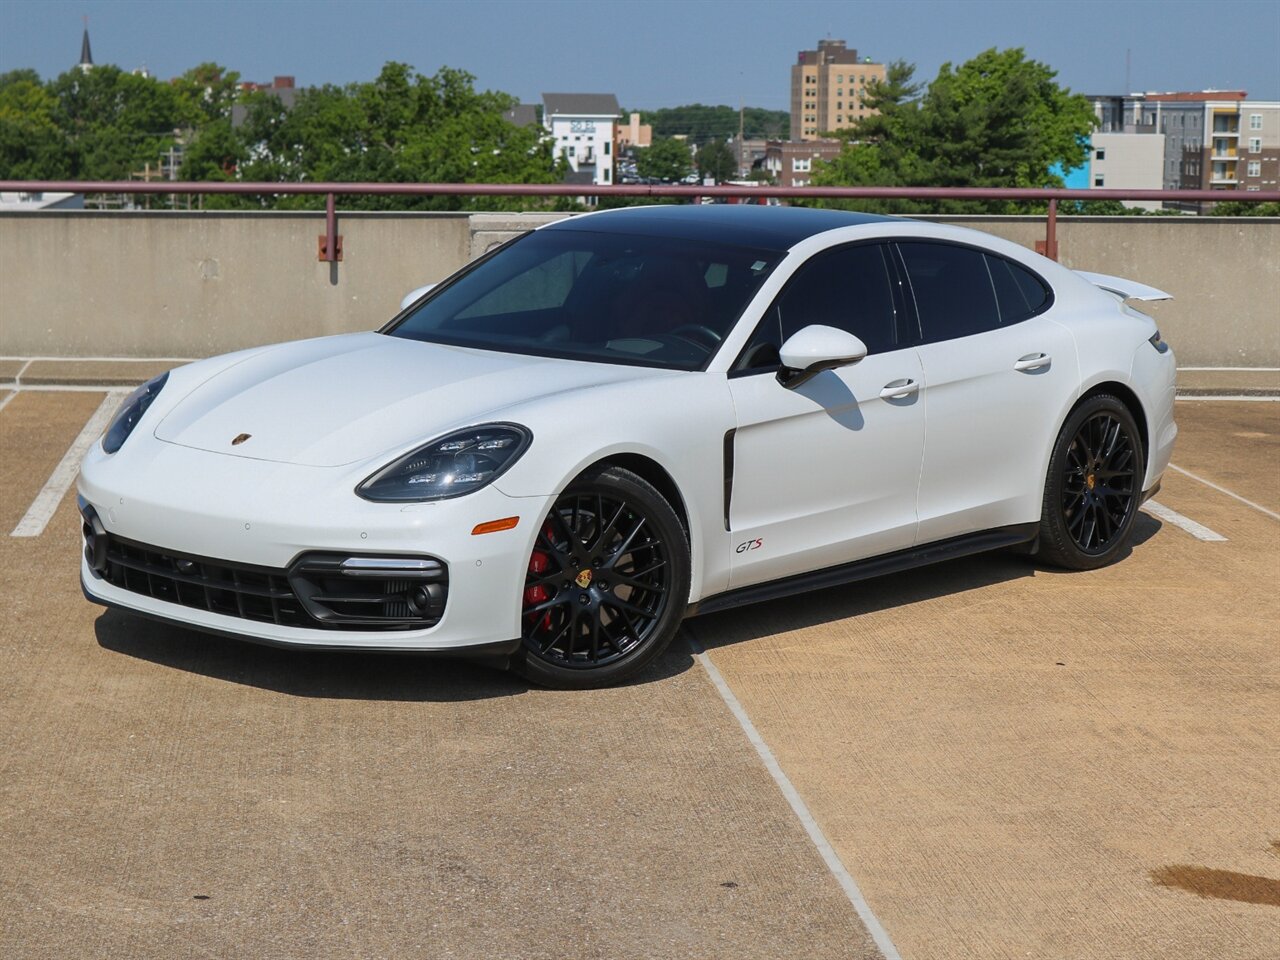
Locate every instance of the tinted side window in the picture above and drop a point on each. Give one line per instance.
(953, 292)
(1019, 292)
(847, 288)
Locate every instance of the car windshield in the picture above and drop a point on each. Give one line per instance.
(605, 297)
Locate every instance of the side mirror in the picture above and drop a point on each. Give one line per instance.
(413, 295)
(815, 348)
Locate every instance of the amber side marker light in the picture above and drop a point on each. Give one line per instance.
(493, 526)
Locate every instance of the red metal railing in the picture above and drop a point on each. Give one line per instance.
(330, 243)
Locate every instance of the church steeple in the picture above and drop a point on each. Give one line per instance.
(86, 55)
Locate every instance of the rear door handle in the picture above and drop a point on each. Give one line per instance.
(899, 389)
(1033, 361)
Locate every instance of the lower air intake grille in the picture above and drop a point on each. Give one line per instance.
(326, 591)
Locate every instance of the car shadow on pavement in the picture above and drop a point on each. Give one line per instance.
(408, 677)
(329, 674)
(833, 604)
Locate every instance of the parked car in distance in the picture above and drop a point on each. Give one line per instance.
(625, 418)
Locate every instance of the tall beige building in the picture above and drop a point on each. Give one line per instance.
(828, 89)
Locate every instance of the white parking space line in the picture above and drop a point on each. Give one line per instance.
(1236, 496)
(798, 807)
(1231, 398)
(55, 488)
(31, 360)
(5, 402)
(61, 387)
(1197, 530)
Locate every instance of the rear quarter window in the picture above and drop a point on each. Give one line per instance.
(1020, 294)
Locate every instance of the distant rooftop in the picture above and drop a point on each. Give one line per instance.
(1192, 95)
(522, 115)
(580, 104)
(830, 51)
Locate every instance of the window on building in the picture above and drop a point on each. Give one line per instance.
(799, 165)
(1255, 168)
(1097, 181)
(1255, 144)
(1255, 121)
(1100, 154)
(607, 145)
(608, 174)
(571, 149)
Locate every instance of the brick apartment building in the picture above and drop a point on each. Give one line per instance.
(828, 89)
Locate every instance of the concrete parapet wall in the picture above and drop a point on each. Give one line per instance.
(176, 284)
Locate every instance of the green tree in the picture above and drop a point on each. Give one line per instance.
(716, 160)
(402, 127)
(998, 120)
(31, 145)
(666, 158)
(1242, 208)
(206, 93)
(114, 122)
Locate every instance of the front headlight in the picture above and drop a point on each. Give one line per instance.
(130, 412)
(454, 465)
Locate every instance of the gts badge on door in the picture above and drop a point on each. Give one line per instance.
(749, 545)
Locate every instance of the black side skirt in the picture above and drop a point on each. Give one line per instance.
(871, 567)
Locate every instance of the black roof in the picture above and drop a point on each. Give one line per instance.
(774, 228)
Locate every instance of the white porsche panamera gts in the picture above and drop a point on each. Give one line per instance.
(625, 418)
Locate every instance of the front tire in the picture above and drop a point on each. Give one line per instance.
(607, 583)
(1094, 486)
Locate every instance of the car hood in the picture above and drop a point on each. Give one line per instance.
(344, 399)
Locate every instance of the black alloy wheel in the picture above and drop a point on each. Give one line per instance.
(1094, 487)
(606, 585)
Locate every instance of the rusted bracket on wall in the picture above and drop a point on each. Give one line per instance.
(330, 242)
(1049, 245)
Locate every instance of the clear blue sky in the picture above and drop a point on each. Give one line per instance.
(654, 53)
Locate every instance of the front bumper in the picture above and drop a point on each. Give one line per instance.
(240, 511)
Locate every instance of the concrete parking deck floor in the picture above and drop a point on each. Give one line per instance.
(1010, 762)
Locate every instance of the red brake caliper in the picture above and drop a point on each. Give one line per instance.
(539, 564)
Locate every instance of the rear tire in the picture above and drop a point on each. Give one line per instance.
(607, 583)
(1094, 486)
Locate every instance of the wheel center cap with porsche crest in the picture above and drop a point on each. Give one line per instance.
(583, 579)
(241, 439)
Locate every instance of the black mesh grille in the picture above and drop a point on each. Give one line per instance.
(315, 592)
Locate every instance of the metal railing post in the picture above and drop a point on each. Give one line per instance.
(330, 242)
(1051, 230)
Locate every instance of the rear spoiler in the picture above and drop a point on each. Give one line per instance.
(1125, 289)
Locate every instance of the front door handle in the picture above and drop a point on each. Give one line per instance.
(1033, 361)
(899, 389)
